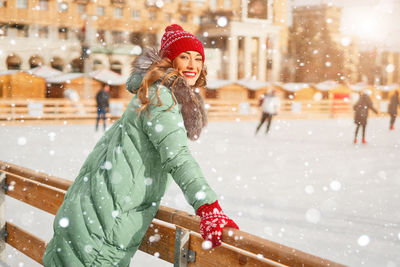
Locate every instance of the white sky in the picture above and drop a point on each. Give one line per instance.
(373, 21)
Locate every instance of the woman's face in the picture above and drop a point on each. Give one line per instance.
(189, 64)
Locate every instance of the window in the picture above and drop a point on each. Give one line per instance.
(62, 7)
(227, 3)
(3, 3)
(251, 94)
(101, 36)
(152, 15)
(43, 32)
(77, 65)
(100, 11)
(44, 4)
(118, 12)
(13, 62)
(22, 3)
(257, 9)
(35, 61)
(197, 20)
(184, 18)
(211, 93)
(63, 33)
(81, 8)
(200, 2)
(57, 63)
(19, 29)
(117, 37)
(213, 4)
(97, 65)
(135, 14)
(116, 66)
(168, 17)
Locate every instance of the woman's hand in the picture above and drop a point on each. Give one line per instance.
(212, 221)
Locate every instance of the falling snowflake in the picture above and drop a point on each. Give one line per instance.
(63, 222)
(335, 185)
(309, 189)
(88, 248)
(114, 213)
(107, 165)
(22, 141)
(363, 240)
(206, 245)
(159, 128)
(148, 181)
(313, 215)
(200, 195)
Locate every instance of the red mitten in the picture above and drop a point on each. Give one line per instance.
(212, 221)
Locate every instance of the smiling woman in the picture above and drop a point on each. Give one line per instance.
(112, 202)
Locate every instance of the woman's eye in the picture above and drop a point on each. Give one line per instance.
(199, 59)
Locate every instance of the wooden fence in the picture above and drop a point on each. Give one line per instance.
(63, 109)
(180, 241)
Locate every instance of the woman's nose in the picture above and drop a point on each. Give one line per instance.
(190, 63)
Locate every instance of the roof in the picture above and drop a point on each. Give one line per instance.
(215, 84)
(252, 84)
(387, 88)
(132, 50)
(326, 85)
(293, 87)
(44, 72)
(7, 72)
(108, 76)
(358, 87)
(64, 78)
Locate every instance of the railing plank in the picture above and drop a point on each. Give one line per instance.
(246, 241)
(34, 193)
(226, 255)
(25, 242)
(35, 175)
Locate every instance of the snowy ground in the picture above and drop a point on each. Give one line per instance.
(305, 185)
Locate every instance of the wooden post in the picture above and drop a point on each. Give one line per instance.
(2, 217)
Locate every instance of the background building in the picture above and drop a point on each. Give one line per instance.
(249, 37)
(83, 35)
(63, 33)
(318, 51)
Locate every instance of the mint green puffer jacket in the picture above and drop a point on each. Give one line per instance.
(111, 203)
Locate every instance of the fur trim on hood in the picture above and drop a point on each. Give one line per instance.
(189, 99)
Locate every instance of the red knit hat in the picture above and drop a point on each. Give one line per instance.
(175, 41)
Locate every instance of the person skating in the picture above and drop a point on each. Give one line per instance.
(103, 104)
(270, 104)
(361, 114)
(118, 190)
(393, 105)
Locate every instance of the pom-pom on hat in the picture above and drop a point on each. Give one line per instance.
(175, 41)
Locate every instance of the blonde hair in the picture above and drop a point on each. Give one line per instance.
(157, 71)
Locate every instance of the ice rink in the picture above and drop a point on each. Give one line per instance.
(304, 185)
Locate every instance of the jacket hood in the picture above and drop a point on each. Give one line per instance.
(139, 68)
(190, 100)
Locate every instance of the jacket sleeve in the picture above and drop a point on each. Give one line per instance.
(167, 133)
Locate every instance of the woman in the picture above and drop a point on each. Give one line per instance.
(109, 207)
(361, 114)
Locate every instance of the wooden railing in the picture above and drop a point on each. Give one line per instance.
(180, 241)
(62, 109)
